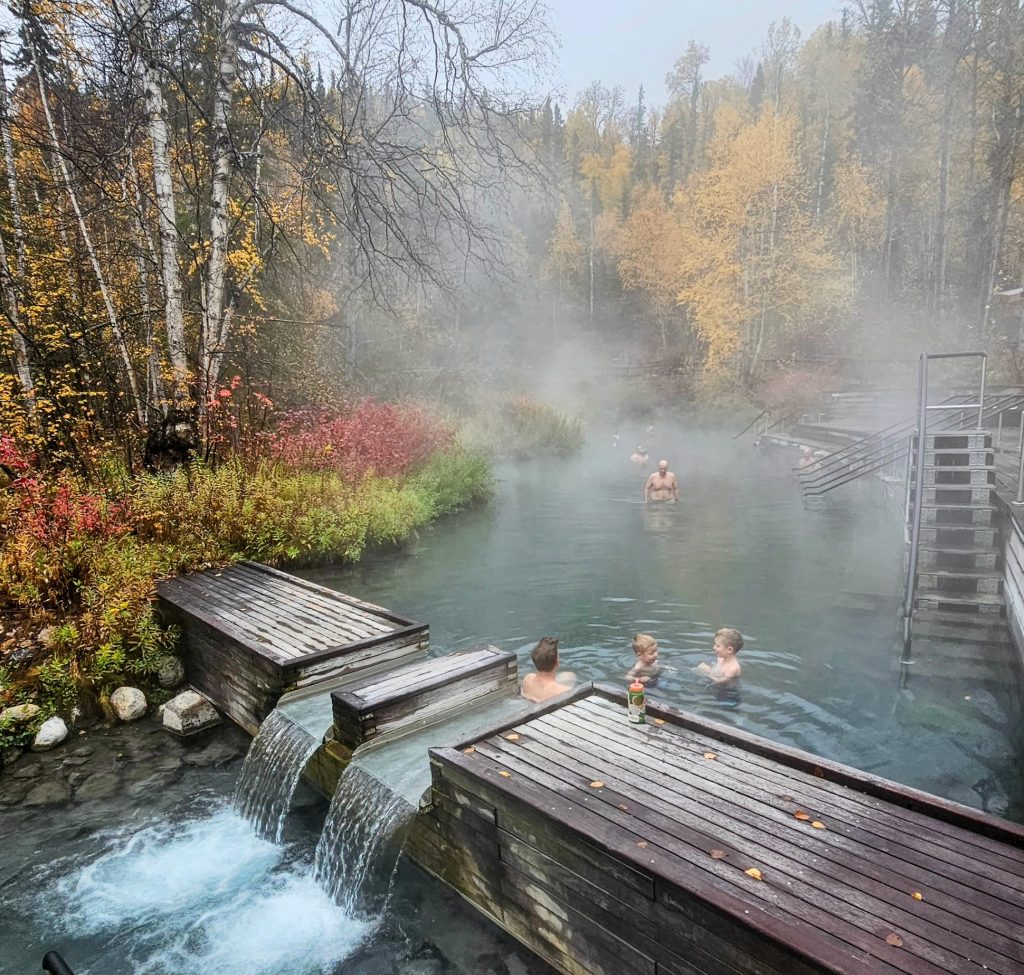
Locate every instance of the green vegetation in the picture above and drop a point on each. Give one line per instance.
(524, 427)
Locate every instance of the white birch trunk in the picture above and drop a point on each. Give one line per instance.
(115, 325)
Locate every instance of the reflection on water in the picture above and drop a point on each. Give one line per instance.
(569, 549)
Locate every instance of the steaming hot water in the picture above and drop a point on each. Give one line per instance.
(185, 885)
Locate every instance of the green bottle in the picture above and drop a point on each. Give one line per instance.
(637, 703)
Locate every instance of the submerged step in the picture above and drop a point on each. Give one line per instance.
(418, 693)
(957, 558)
(964, 602)
(958, 583)
(958, 536)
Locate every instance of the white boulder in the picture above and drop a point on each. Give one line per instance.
(129, 703)
(20, 714)
(189, 713)
(50, 734)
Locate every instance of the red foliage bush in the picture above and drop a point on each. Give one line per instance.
(378, 437)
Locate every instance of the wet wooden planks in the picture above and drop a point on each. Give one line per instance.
(418, 692)
(609, 848)
(251, 632)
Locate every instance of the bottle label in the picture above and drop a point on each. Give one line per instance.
(637, 707)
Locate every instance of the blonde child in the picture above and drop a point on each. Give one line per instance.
(728, 643)
(646, 669)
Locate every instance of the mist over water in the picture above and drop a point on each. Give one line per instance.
(569, 549)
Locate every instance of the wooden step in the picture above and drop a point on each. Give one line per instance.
(958, 476)
(948, 581)
(958, 440)
(958, 536)
(957, 558)
(952, 627)
(965, 496)
(984, 604)
(955, 514)
(980, 459)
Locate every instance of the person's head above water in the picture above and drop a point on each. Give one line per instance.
(663, 466)
(545, 654)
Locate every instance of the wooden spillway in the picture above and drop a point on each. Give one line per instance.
(250, 633)
(613, 849)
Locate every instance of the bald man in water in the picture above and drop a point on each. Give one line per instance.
(662, 485)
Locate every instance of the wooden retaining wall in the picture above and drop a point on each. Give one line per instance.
(683, 847)
(1013, 578)
(249, 633)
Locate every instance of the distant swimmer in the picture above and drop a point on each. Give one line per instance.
(615, 440)
(639, 456)
(662, 485)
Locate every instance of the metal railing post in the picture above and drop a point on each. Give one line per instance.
(981, 391)
(1020, 464)
(915, 534)
(999, 429)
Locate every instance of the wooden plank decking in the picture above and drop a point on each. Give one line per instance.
(615, 848)
(250, 633)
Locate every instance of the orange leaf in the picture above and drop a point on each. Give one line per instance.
(468, 751)
(894, 939)
(801, 815)
(917, 895)
(818, 825)
(718, 854)
(642, 844)
(753, 872)
(659, 720)
(504, 774)
(512, 737)
(597, 784)
(623, 806)
(710, 756)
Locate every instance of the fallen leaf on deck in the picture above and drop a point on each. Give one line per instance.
(801, 815)
(753, 872)
(505, 775)
(623, 806)
(718, 854)
(786, 798)
(710, 756)
(818, 825)
(642, 844)
(512, 737)
(917, 895)
(894, 939)
(597, 784)
(659, 720)
(468, 751)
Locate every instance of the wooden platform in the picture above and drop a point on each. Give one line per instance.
(612, 848)
(250, 633)
(419, 692)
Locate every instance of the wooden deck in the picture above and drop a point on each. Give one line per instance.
(616, 848)
(250, 633)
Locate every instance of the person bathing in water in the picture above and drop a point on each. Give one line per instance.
(544, 684)
(662, 485)
(646, 670)
(639, 456)
(726, 670)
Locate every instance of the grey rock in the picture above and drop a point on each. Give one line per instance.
(147, 786)
(52, 792)
(421, 966)
(74, 761)
(171, 672)
(82, 751)
(28, 772)
(129, 703)
(8, 756)
(20, 714)
(102, 785)
(50, 734)
(216, 753)
(167, 763)
(189, 713)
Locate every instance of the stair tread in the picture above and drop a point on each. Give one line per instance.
(976, 598)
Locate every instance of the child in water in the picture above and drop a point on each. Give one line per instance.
(543, 684)
(646, 670)
(728, 643)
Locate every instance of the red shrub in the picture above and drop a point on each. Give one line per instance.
(369, 436)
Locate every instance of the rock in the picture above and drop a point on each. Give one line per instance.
(102, 785)
(20, 714)
(8, 756)
(82, 751)
(171, 672)
(45, 637)
(52, 792)
(422, 966)
(129, 703)
(28, 772)
(189, 713)
(216, 753)
(50, 734)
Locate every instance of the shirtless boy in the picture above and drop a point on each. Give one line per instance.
(728, 643)
(543, 684)
(646, 670)
(662, 485)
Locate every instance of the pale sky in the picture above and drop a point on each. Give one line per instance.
(633, 44)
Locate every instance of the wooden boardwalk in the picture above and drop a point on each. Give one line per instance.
(250, 633)
(616, 848)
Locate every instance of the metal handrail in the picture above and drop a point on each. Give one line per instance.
(855, 465)
(751, 423)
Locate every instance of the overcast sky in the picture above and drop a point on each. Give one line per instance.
(636, 43)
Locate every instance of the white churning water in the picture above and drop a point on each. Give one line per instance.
(270, 774)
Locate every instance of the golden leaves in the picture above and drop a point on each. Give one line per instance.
(801, 815)
(819, 825)
(894, 939)
(597, 784)
(504, 774)
(718, 854)
(642, 844)
(659, 720)
(468, 751)
(917, 895)
(512, 737)
(753, 872)
(710, 756)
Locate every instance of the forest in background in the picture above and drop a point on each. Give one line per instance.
(236, 201)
